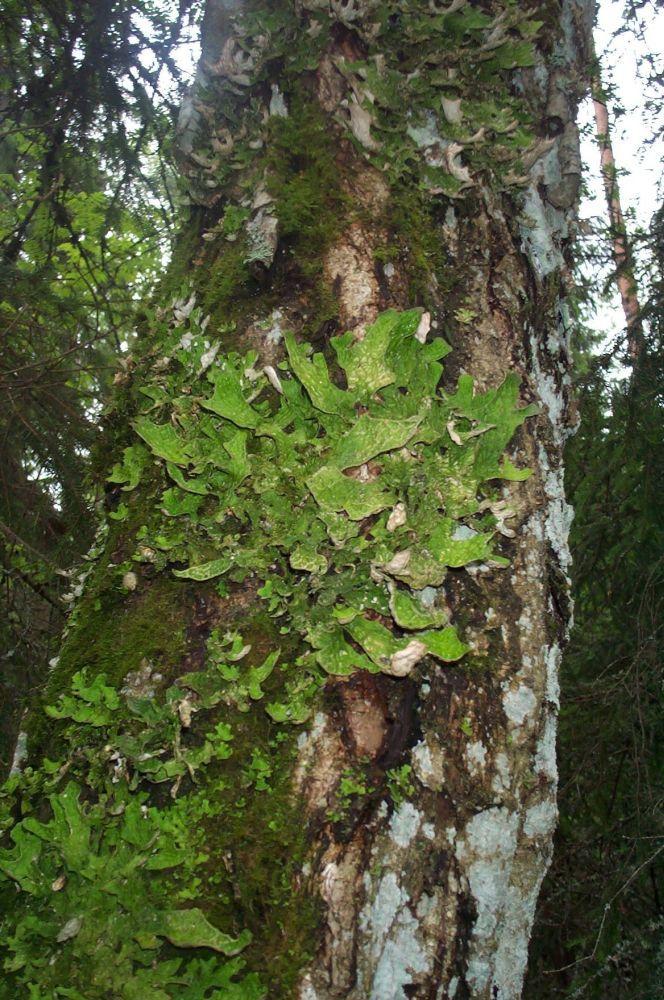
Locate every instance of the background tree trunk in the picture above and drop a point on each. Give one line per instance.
(621, 249)
(344, 159)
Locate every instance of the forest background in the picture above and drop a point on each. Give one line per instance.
(89, 206)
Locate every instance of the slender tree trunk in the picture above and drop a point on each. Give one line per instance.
(382, 832)
(620, 243)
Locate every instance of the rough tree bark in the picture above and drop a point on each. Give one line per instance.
(343, 159)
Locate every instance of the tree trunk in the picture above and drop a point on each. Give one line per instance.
(376, 808)
(621, 249)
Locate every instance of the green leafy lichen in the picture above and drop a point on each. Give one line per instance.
(337, 499)
(111, 633)
(344, 500)
(112, 875)
(399, 783)
(430, 103)
(98, 915)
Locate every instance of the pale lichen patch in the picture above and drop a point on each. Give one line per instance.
(541, 819)
(545, 754)
(501, 778)
(278, 107)
(393, 942)
(552, 658)
(519, 703)
(540, 230)
(377, 917)
(20, 754)
(476, 756)
(486, 849)
(428, 763)
(498, 947)
(512, 946)
(273, 327)
(405, 824)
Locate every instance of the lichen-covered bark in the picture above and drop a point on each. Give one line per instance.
(344, 158)
(436, 897)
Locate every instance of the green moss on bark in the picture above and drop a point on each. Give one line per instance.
(114, 634)
(303, 177)
(256, 848)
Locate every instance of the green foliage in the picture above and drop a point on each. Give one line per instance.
(100, 914)
(342, 497)
(437, 114)
(342, 501)
(85, 223)
(324, 493)
(117, 744)
(430, 81)
(111, 635)
(399, 783)
(355, 784)
(405, 102)
(352, 785)
(298, 179)
(103, 872)
(206, 571)
(92, 703)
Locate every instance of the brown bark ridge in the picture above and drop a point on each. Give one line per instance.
(435, 897)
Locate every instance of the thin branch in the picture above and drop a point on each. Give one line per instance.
(607, 908)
